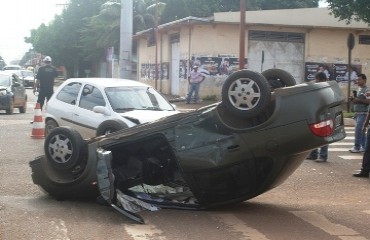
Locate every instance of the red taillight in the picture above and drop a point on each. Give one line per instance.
(322, 129)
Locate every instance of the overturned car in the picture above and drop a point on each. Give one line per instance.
(224, 153)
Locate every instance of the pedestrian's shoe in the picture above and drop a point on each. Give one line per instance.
(354, 150)
(361, 174)
(311, 158)
(362, 149)
(321, 160)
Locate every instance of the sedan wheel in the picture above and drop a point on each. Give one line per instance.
(278, 78)
(64, 148)
(10, 110)
(246, 93)
(49, 126)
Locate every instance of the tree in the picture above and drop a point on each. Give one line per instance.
(358, 10)
(61, 38)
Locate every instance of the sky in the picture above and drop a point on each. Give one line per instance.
(17, 18)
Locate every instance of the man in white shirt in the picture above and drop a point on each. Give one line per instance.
(195, 79)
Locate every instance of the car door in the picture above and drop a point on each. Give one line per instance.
(62, 106)
(86, 120)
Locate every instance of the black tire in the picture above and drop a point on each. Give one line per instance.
(49, 126)
(65, 184)
(23, 108)
(64, 148)
(10, 109)
(110, 126)
(278, 78)
(246, 93)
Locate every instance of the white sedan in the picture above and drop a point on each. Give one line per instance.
(98, 106)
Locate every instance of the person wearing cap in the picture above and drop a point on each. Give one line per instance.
(195, 79)
(44, 83)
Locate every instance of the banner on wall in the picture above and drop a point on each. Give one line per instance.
(341, 72)
(148, 71)
(218, 66)
(311, 68)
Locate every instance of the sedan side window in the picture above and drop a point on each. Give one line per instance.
(91, 97)
(69, 93)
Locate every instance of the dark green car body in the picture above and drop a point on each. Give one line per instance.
(212, 155)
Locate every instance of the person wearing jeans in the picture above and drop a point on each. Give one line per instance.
(365, 169)
(360, 104)
(195, 79)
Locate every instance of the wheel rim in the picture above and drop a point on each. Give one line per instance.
(60, 149)
(49, 127)
(244, 94)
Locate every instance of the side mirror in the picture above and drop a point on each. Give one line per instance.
(101, 110)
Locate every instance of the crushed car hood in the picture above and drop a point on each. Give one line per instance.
(147, 115)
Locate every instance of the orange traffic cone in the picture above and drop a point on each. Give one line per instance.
(38, 124)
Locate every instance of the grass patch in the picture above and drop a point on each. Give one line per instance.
(348, 114)
(210, 98)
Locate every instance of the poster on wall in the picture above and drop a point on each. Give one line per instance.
(164, 71)
(341, 72)
(217, 66)
(183, 69)
(311, 68)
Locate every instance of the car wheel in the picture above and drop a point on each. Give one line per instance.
(63, 184)
(10, 110)
(278, 78)
(246, 93)
(65, 148)
(49, 126)
(23, 108)
(110, 126)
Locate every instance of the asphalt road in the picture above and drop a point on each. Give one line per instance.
(319, 201)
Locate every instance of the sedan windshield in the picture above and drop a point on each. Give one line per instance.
(123, 99)
(27, 74)
(4, 80)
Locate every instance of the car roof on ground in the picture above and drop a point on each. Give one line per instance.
(109, 82)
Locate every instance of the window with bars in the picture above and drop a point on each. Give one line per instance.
(364, 39)
(276, 36)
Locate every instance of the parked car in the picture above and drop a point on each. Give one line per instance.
(96, 106)
(28, 77)
(12, 93)
(224, 153)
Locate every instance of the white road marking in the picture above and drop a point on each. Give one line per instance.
(238, 226)
(144, 232)
(352, 157)
(324, 224)
(350, 144)
(339, 150)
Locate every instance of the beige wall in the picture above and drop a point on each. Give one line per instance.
(321, 45)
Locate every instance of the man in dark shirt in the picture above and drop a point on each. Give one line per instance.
(44, 83)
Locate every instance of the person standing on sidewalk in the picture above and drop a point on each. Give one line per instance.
(195, 79)
(365, 168)
(44, 83)
(360, 105)
(319, 154)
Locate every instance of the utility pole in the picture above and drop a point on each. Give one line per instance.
(242, 34)
(126, 30)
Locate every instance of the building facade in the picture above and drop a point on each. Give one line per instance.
(296, 40)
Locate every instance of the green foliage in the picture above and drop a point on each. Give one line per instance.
(350, 10)
(87, 27)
